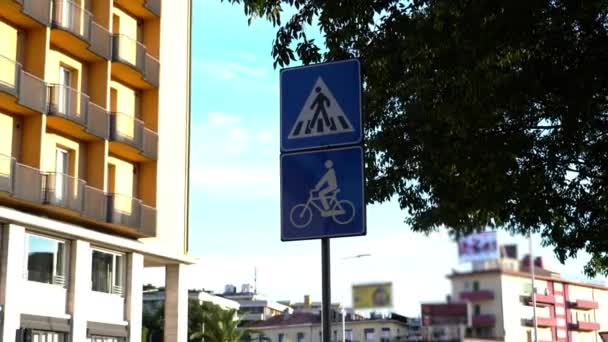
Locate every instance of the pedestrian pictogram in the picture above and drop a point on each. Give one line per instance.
(325, 193)
(322, 194)
(321, 115)
(321, 106)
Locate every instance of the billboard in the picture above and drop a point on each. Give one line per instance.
(373, 296)
(478, 247)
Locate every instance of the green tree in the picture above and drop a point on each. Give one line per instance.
(477, 113)
(219, 325)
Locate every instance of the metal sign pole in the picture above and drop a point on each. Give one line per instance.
(326, 291)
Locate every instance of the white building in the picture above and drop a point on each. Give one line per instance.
(154, 298)
(254, 307)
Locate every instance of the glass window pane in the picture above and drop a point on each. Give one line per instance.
(119, 270)
(102, 271)
(40, 259)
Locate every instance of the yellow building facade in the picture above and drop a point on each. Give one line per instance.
(94, 144)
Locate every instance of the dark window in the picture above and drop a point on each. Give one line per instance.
(46, 260)
(368, 333)
(281, 337)
(477, 309)
(300, 337)
(108, 272)
(475, 285)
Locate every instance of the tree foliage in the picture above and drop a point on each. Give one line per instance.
(219, 325)
(477, 113)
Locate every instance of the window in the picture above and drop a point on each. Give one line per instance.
(475, 285)
(386, 334)
(477, 309)
(108, 272)
(300, 337)
(65, 84)
(95, 338)
(62, 164)
(349, 335)
(335, 335)
(47, 336)
(46, 260)
(281, 337)
(369, 334)
(467, 284)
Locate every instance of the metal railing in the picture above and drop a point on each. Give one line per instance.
(7, 165)
(27, 183)
(129, 51)
(101, 41)
(127, 129)
(69, 16)
(153, 6)
(39, 10)
(9, 77)
(150, 144)
(124, 210)
(95, 204)
(32, 92)
(148, 220)
(98, 121)
(152, 72)
(64, 191)
(68, 102)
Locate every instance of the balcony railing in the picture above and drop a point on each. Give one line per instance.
(479, 295)
(153, 6)
(585, 326)
(152, 71)
(27, 183)
(127, 129)
(9, 77)
(541, 322)
(101, 41)
(39, 10)
(484, 320)
(69, 103)
(133, 53)
(31, 185)
(71, 17)
(7, 164)
(32, 92)
(150, 144)
(98, 121)
(64, 191)
(95, 204)
(582, 304)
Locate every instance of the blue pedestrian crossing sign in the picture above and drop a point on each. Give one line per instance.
(322, 194)
(321, 106)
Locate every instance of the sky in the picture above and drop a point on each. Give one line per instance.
(234, 222)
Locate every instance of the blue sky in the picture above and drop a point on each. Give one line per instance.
(234, 219)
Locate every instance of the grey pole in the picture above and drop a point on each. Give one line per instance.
(326, 291)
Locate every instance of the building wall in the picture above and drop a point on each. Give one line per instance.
(173, 121)
(8, 52)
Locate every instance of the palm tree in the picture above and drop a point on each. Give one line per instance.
(218, 325)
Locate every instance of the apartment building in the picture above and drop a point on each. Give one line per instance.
(252, 306)
(306, 327)
(94, 136)
(498, 298)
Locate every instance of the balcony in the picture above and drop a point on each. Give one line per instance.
(27, 13)
(131, 212)
(540, 321)
(582, 304)
(68, 104)
(541, 300)
(483, 321)
(30, 186)
(585, 326)
(475, 296)
(24, 92)
(136, 140)
(63, 191)
(133, 64)
(145, 9)
(77, 32)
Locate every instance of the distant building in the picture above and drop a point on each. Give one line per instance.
(308, 306)
(306, 327)
(253, 307)
(494, 301)
(154, 298)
